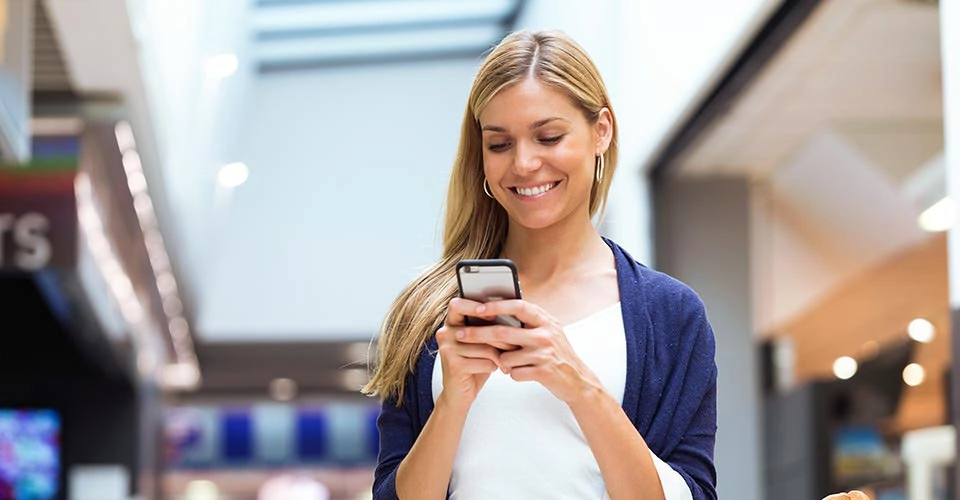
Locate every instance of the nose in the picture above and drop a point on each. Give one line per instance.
(527, 159)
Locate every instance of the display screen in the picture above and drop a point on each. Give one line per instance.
(29, 454)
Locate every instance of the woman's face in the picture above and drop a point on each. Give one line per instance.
(539, 153)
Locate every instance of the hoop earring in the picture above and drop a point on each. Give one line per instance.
(486, 188)
(599, 169)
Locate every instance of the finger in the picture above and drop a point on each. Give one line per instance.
(525, 374)
(494, 335)
(458, 310)
(509, 361)
(474, 366)
(530, 314)
(474, 351)
(447, 334)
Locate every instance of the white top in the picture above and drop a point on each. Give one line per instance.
(519, 441)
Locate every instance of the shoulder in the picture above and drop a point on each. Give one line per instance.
(669, 296)
(660, 292)
(669, 306)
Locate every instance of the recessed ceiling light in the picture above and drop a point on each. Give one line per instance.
(845, 367)
(201, 489)
(940, 217)
(359, 352)
(221, 66)
(283, 389)
(353, 379)
(921, 330)
(183, 376)
(913, 374)
(233, 175)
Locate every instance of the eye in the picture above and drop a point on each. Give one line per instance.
(497, 147)
(551, 140)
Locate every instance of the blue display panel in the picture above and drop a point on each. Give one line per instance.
(29, 454)
(272, 436)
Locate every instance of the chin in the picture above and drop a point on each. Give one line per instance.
(536, 221)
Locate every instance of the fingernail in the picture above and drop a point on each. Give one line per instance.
(481, 308)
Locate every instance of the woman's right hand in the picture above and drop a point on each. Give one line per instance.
(466, 367)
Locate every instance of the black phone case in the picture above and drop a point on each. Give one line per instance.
(488, 263)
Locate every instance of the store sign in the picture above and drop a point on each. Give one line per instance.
(30, 235)
(38, 220)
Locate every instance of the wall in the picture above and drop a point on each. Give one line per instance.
(703, 239)
(48, 369)
(348, 172)
(950, 51)
(16, 62)
(657, 59)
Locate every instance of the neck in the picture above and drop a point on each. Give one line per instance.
(542, 254)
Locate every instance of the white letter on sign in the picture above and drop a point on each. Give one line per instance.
(30, 234)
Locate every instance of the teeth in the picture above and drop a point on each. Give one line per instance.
(535, 190)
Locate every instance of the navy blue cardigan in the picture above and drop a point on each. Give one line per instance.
(670, 393)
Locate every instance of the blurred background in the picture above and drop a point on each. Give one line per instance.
(206, 207)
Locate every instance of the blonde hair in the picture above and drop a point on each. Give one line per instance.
(475, 225)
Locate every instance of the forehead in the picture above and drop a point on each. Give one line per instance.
(527, 102)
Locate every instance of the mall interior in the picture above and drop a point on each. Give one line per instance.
(207, 207)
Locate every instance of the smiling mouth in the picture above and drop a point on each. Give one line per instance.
(536, 190)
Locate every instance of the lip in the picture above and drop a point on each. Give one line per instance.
(514, 190)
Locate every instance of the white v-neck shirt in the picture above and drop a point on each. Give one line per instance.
(519, 441)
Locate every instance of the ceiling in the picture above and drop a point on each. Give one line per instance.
(49, 70)
(868, 68)
(841, 136)
(288, 35)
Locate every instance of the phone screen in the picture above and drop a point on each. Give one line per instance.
(486, 281)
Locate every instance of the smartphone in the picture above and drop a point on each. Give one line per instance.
(488, 280)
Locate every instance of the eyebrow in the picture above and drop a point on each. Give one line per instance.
(536, 124)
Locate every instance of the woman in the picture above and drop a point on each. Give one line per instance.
(610, 387)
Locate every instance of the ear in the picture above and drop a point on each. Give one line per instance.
(603, 130)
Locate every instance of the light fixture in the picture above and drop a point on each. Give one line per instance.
(359, 353)
(180, 376)
(183, 373)
(221, 66)
(320, 16)
(921, 330)
(845, 367)
(233, 175)
(172, 306)
(283, 389)
(940, 217)
(913, 374)
(201, 489)
(375, 44)
(179, 329)
(353, 379)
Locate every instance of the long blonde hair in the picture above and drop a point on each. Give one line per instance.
(475, 225)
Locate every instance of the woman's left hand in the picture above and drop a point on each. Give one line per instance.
(545, 355)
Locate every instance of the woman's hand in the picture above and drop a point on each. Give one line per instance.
(466, 366)
(544, 354)
(851, 495)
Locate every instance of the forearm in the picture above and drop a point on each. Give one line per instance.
(425, 472)
(622, 454)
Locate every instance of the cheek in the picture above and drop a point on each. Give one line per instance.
(574, 158)
(495, 165)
